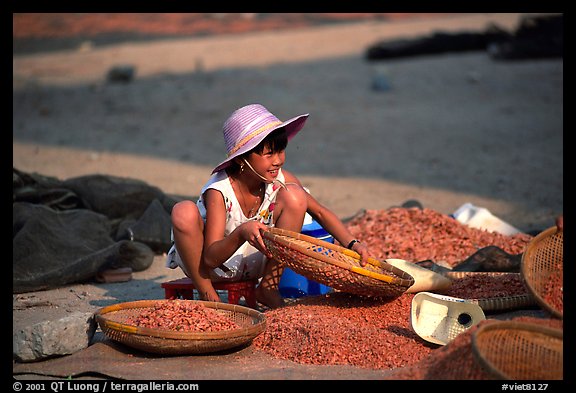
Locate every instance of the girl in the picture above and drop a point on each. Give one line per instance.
(219, 237)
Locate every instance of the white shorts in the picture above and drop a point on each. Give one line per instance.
(247, 263)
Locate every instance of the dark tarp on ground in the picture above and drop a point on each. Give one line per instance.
(107, 359)
(536, 37)
(65, 232)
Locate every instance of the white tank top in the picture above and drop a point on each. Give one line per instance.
(247, 262)
(234, 214)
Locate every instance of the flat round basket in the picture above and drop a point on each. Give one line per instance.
(542, 270)
(114, 322)
(335, 266)
(519, 351)
(497, 303)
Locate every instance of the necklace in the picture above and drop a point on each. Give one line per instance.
(256, 202)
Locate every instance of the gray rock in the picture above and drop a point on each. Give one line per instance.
(121, 74)
(52, 338)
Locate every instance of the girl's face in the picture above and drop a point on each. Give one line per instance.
(267, 163)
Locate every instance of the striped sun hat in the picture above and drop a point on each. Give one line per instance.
(248, 126)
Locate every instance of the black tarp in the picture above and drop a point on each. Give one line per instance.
(65, 232)
(536, 37)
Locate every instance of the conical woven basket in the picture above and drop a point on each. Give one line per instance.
(335, 266)
(542, 270)
(113, 320)
(519, 351)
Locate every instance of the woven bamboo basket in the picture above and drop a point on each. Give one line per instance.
(497, 303)
(542, 260)
(335, 266)
(519, 351)
(113, 322)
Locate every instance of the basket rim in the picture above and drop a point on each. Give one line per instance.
(496, 303)
(103, 321)
(508, 325)
(524, 274)
(518, 325)
(463, 274)
(404, 279)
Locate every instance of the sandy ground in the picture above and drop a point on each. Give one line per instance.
(453, 128)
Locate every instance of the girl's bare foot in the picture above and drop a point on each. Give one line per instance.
(269, 297)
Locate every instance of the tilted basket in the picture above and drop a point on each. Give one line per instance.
(542, 270)
(335, 266)
(113, 320)
(519, 351)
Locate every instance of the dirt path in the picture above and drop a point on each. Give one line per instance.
(485, 117)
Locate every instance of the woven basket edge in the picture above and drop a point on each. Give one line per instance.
(492, 325)
(256, 328)
(404, 279)
(527, 277)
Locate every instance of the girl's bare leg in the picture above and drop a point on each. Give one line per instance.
(188, 229)
(289, 213)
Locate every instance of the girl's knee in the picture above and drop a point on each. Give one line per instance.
(185, 214)
(293, 198)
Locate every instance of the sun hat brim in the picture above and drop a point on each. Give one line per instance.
(292, 126)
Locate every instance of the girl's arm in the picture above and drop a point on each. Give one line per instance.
(217, 247)
(330, 222)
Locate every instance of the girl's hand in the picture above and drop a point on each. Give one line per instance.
(560, 222)
(252, 233)
(364, 252)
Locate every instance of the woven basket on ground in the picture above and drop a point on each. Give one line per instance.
(335, 266)
(113, 320)
(497, 303)
(519, 351)
(542, 270)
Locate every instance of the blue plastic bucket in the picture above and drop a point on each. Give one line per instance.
(294, 285)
